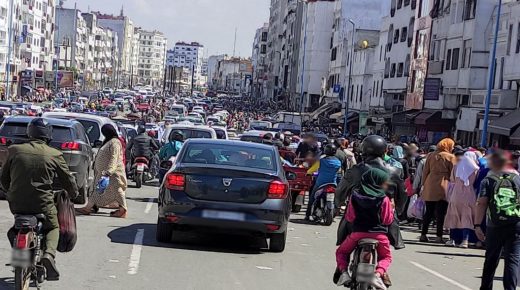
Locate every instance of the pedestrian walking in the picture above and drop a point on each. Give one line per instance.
(461, 199)
(109, 162)
(436, 176)
(499, 197)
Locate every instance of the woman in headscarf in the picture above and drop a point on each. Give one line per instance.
(398, 154)
(436, 176)
(462, 199)
(109, 162)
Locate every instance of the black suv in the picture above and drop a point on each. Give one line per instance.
(68, 136)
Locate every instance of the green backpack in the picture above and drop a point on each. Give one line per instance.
(504, 206)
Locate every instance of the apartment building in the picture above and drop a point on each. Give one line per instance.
(258, 60)
(152, 58)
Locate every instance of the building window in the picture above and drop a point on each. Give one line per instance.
(396, 36)
(469, 9)
(509, 37)
(399, 4)
(410, 31)
(333, 54)
(392, 71)
(448, 59)
(392, 8)
(404, 34)
(455, 58)
(517, 50)
(414, 4)
(466, 54)
(387, 68)
(407, 66)
(406, 2)
(400, 70)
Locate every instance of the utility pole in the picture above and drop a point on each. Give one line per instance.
(491, 78)
(192, 77)
(349, 92)
(9, 50)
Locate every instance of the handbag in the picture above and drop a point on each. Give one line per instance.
(67, 221)
(409, 211)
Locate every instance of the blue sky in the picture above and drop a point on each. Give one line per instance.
(210, 22)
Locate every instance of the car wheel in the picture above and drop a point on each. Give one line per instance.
(277, 242)
(164, 231)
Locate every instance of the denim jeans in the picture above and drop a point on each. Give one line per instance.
(498, 239)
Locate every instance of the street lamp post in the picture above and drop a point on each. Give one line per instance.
(348, 95)
(491, 78)
(9, 50)
(302, 77)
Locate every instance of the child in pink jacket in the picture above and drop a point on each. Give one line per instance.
(370, 212)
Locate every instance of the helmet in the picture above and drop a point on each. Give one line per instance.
(178, 135)
(330, 150)
(39, 129)
(141, 129)
(373, 146)
(151, 133)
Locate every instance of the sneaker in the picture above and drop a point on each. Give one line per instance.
(424, 239)
(377, 282)
(344, 279)
(450, 243)
(50, 267)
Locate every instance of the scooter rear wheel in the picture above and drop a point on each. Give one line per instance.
(22, 278)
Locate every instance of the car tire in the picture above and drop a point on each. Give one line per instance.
(277, 242)
(164, 231)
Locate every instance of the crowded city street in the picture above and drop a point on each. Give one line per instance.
(123, 254)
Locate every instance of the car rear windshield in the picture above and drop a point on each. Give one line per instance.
(92, 129)
(231, 155)
(221, 134)
(254, 139)
(192, 134)
(59, 134)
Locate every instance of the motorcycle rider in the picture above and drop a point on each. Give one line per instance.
(142, 145)
(373, 150)
(170, 150)
(327, 168)
(27, 176)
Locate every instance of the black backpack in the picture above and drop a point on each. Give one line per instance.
(504, 208)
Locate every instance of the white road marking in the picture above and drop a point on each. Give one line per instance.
(135, 257)
(149, 206)
(264, 268)
(438, 275)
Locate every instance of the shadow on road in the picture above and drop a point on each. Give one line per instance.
(7, 283)
(452, 254)
(192, 240)
(142, 199)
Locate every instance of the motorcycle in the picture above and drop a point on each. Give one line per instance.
(27, 251)
(141, 172)
(363, 265)
(323, 207)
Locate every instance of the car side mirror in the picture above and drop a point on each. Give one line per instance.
(97, 144)
(290, 175)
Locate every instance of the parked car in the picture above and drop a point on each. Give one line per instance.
(221, 132)
(68, 136)
(190, 131)
(254, 136)
(227, 185)
(92, 124)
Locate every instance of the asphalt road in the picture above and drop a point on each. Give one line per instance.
(123, 254)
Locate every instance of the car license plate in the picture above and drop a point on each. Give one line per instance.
(20, 257)
(224, 215)
(140, 167)
(365, 272)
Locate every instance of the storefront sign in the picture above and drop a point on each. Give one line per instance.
(432, 89)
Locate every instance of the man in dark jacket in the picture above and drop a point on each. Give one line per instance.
(28, 176)
(142, 145)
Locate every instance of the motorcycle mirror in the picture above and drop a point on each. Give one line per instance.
(290, 175)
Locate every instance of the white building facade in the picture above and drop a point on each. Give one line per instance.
(152, 58)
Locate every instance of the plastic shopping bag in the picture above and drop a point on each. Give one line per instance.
(102, 184)
(67, 221)
(419, 208)
(413, 199)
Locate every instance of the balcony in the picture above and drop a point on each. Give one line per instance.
(435, 67)
(500, 99)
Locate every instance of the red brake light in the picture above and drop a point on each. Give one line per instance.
(329, 189)
(3, 141)
(277, 190)
(272, 228)
(175, 181)
(21, 241)
(70, 146)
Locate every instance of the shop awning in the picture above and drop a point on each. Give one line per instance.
(423, 117)
(515, 138)
(340, 115)
(506, 124)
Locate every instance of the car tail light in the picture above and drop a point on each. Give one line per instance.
(22, 241)
(70, 146)
(277, 190)
(272, 228)
(329, 189)
(3, 141)
(175, 181)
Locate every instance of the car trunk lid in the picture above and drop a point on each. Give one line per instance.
(227, 185)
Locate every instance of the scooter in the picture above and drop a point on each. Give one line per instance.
(363, 265)
(27, 251)
(323, 207)
(141, 171)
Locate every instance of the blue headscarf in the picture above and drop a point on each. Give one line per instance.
(398, 152)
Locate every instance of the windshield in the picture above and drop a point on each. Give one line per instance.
(92, 129)
(19, 130)
(231, 155)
